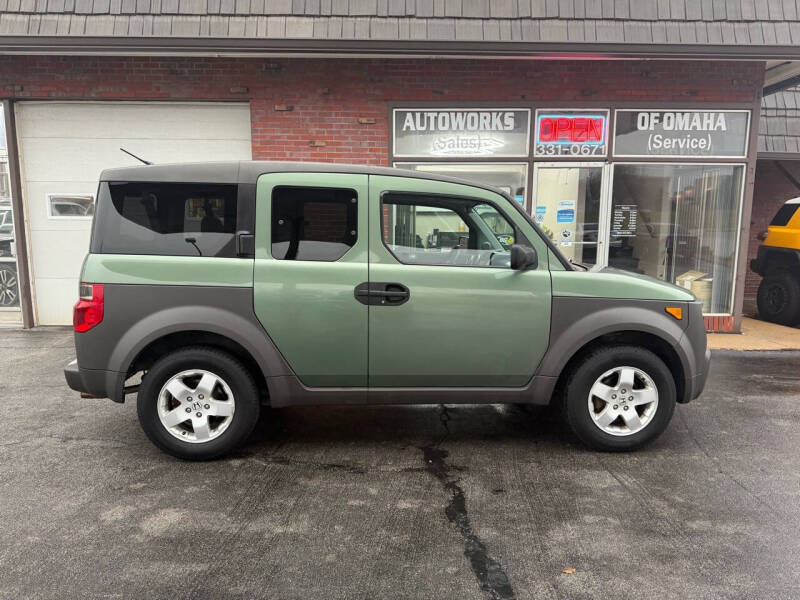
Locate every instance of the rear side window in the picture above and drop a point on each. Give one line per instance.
(172, 219)
(784, 215)
(313, 223)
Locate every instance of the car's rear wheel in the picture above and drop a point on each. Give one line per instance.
(198, 403)
(779, 297)
(619, 398)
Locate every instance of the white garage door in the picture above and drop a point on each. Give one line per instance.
(63, 148)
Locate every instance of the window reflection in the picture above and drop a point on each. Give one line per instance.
(509, 177)
(9, 285)
(679, 223)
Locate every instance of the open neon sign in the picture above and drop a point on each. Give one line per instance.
(589, 130)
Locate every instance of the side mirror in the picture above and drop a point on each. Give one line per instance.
(523, 257)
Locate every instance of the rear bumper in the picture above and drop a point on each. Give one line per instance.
(94, 382)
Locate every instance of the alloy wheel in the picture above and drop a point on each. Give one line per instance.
(196, 406)
(8, 287)
(623, 401)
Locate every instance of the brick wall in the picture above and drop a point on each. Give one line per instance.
(772, 189)
(337, 110)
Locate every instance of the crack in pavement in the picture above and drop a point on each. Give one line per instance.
(355, 469)
(488, 571)
(444, 417)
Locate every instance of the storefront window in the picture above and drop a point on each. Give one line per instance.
(9, 286)
(509, 177)
(652, 190)
(679, 223)
(429, 139)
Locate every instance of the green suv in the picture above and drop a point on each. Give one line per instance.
(211, 290)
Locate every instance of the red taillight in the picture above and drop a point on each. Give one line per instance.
(88, 311)
(762, 236)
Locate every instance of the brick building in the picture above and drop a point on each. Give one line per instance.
(627, 129)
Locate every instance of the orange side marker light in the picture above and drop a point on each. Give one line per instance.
(675, 311)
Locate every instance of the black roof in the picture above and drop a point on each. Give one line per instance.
(744, 27)
(248, 172)
(779, 127)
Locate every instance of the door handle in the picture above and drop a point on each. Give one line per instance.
(377, 293)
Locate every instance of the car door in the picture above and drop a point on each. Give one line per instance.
(453, 313)
(311, 253)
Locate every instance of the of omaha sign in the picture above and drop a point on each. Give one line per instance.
(701, 133)
(460, 132)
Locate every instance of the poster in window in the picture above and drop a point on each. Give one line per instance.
(624, 219)
(565, 212)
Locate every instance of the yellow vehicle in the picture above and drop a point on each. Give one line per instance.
(778, 262)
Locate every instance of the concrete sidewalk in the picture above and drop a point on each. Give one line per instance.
(757, 335)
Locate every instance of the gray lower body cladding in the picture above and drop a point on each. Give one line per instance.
(576, 321)
(139, 315)
(290, 391)
(135, 316)
(94, 382)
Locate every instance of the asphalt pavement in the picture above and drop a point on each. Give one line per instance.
(438, 502)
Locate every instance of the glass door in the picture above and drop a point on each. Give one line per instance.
(570, 204)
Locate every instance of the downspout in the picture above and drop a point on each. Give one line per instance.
(17, 207)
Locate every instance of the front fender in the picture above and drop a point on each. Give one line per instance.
(576, 321)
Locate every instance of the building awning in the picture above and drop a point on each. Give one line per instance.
(735, 29)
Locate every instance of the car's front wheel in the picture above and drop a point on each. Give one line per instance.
(619, 398)
(198, 403)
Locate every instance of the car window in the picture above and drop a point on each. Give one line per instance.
(436, 230)
(501, 229)
(316, 224)
(172, 219)
(784, 215)
(71, 205)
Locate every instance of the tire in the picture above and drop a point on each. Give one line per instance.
(779, 297)
(9, 290)
(611, 426)
(187, 423)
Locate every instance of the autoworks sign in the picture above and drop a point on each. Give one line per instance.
(461, 132)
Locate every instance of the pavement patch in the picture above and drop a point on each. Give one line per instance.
(489, 572)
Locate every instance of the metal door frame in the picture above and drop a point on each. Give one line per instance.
(604, 214)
